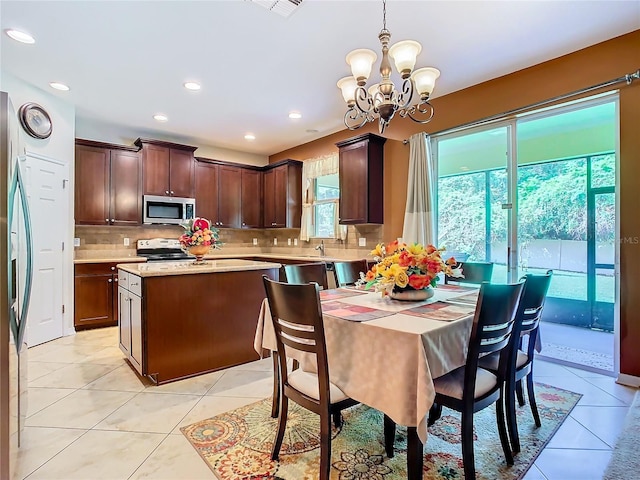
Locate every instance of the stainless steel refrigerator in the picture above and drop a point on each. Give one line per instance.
(15, 287)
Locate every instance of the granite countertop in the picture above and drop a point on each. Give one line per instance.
(159, 269)
(107, 256)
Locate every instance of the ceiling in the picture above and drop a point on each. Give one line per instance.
(126, 61)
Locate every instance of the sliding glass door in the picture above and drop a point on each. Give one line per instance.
(537, 193)
(473, 197)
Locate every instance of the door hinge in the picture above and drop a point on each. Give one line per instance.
(63, 246)
(64, 183)
(62, 308)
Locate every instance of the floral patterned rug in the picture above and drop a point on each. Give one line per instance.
(237, 444)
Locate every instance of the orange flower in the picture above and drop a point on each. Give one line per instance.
(451, 261)
(405, 259)
(391, 247)
(418, 281)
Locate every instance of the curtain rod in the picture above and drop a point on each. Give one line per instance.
(628, 79)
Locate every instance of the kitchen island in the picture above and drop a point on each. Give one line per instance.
(178, 320)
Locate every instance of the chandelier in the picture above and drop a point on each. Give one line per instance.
(382, 100)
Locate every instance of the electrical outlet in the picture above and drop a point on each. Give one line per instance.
(289, 241)
(255, 241)
(295, 242)
(126, 242)
(76, 242)
(362, 242)
(275, 241)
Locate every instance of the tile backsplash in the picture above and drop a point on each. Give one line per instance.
(112, 238)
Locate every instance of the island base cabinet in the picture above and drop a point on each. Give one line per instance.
(130, 321)
(199, 323)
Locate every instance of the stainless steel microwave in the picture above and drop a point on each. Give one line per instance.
(171, 210)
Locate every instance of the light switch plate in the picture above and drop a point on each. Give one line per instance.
(126, 242)
(295, 242)
(76, 242)
(255, 241)
(362, 242)
(275, 241)
(289, 241)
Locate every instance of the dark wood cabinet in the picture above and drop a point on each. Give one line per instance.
(361, 179)
(96, 301)
(167, 168)
(107, 184)
(251, 187)
(282, 194)
(218, 193)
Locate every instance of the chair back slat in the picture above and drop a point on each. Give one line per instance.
(297, 321)
(473, 272)
(348, 273)
(307, 273)
(492, 327)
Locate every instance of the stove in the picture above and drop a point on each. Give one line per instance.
(161, 250)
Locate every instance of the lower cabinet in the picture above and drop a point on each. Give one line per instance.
(96, 302)
(130, 318)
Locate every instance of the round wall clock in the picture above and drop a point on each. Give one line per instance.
(35, 120)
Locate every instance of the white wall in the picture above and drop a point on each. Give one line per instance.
(91, 129)
(59, 146)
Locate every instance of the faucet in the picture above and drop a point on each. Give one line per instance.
(321, 248)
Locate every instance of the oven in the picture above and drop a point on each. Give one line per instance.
(167, 210)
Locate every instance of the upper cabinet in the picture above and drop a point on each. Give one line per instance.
(251, 193)
(361, 179)
(218, 193)
(167, 168)
(282, 194)
(108, 187)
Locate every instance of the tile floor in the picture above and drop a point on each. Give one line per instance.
(91, 417)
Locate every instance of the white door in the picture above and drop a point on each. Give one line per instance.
(48, 204)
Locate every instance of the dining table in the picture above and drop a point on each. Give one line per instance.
(385, 353)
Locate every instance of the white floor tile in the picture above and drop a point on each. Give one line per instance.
(39, 398)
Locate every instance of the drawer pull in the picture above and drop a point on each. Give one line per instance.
(134, 284)
(109, 280)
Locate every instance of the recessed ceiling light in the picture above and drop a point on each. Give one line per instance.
(312, 130)
(59, 86)
(192, 86)
(19, 36)
(464, 169)
(160, 117)
(295, 115)
(250, 137)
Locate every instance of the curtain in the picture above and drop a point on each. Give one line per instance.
(312, 169)
(419, 217)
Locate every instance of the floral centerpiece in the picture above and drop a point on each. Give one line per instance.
(402, 270)
(199, 238)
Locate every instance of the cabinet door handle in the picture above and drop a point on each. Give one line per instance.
(109, 280)
(171, 192)
(134, 284)
(106, 220)
(113, 220)
(166, 192)
(113, 268)
(115, 279)
(243, 224)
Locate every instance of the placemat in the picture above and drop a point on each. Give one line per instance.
(441, 311)
(337, 293)
(354, 313)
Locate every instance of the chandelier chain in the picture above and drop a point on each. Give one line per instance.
(384, 14)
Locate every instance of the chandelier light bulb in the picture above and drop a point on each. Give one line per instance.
(347, 86)
(425, 80)
(404, 55)
(361, 61)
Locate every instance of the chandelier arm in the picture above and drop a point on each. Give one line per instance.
(404, 98)
(363, 101)
(354, 119)
(424, 108)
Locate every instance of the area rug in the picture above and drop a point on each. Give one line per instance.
(237, 444)
(625, 461)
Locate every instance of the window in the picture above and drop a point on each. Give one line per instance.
(325, 198)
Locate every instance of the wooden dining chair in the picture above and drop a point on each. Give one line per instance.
(469, 389)
(526, 328)
(473, 272)
(348, 273)
(306, 273)
(297, 321)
